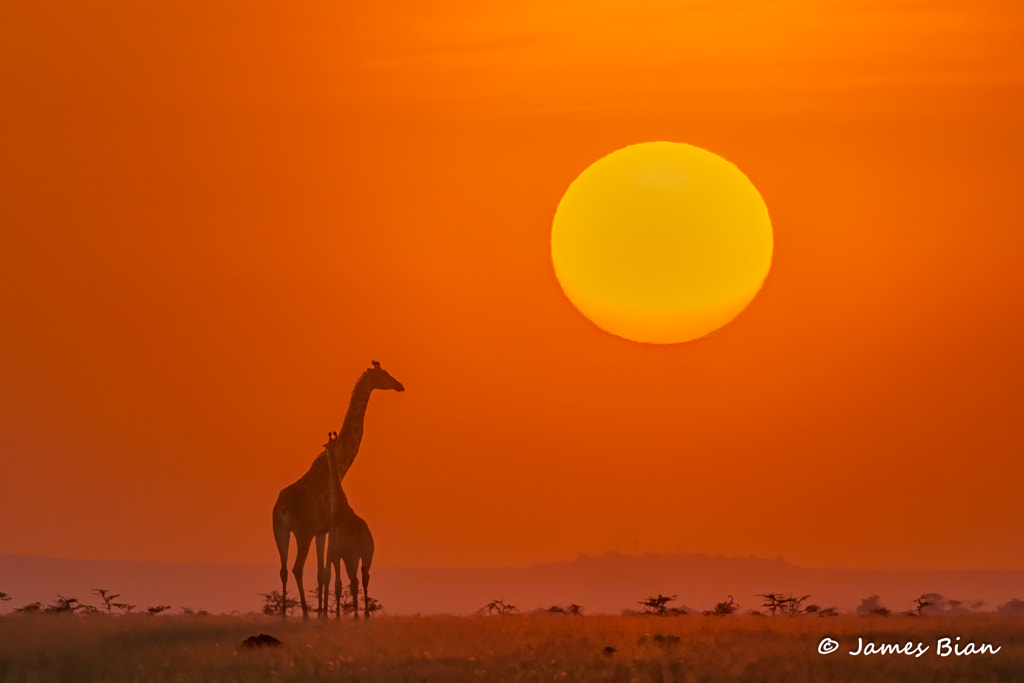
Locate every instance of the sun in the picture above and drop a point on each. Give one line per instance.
(661, 242)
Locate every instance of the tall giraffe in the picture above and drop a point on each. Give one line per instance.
(304, 508)
(348, 539)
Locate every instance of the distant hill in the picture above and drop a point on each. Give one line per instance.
(610, 583)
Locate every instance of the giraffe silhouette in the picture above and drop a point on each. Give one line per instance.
(303, 509)
(348, 540)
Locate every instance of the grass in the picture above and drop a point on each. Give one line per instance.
(509, 648)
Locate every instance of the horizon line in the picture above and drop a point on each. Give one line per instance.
(578, 558)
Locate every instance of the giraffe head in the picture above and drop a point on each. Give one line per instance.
(378, 378)
(332, 440)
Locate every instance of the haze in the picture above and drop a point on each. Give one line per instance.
(214, 217)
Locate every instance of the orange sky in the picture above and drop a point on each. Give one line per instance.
(214, 215)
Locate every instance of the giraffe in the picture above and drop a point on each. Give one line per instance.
(303, 508)
(349, 540)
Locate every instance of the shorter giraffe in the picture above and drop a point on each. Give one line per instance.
(348, 540)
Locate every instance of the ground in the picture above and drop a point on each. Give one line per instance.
(538, 647)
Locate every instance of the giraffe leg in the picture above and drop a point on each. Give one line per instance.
(337, 588)
(353, 581)
(300, 563)
(366, 588)
(323, 577)
(281, 537)
(284, 593)
(367, 552)
(325, 591)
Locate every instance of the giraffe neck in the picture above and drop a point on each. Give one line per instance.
(338, 501)
(332, 482)
(351, 434)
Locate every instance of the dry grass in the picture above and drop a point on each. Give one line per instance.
(514, 648)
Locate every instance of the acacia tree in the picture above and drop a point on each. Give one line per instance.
(658, 605)
(785, 604)
(921, 602)
(871, 605)
(792, 607)
(272, 603)
(821, 611)
(106, 597)
(723, 609)
(935, 601)
(771, 601)
(572, 609)
(499, 606)
(372, 604)
(63, 605)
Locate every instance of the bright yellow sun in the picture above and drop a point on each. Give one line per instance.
(661, 242)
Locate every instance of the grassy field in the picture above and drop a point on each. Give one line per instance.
(500, 648)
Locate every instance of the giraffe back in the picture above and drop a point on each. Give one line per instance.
(307, 502)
